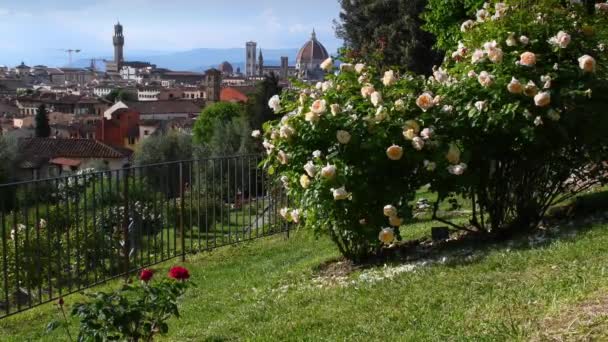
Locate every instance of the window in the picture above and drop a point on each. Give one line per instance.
(146, 132)
(131, 140)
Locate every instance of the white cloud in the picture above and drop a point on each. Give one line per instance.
(298, 28)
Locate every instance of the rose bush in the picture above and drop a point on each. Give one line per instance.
(512, 120)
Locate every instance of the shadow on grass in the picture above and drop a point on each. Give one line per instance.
(565, 222)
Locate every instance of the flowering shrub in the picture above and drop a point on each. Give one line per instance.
(132, 313)
(512, 120)
(527, 85)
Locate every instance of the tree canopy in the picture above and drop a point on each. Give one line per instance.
(257, 107)
(388, 32)
(211, 116)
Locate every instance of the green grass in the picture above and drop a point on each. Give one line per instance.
(269, 289)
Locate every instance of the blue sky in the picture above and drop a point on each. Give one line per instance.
(36, 30)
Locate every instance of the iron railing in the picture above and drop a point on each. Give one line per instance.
(62, 235)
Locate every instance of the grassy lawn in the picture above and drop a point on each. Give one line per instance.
(271, 289)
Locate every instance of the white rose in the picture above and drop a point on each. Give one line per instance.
(343, 137)
(256, 133)
(427, 133)
(542, 99)
(268, 146)
(326, 85)
(285, 214)
(295, 215)
(389, 210)
(538, 121)
(327, 64)
(478, 56)
(376, 98)
(546, 79)
(425, 101)
(400, 104)
(587, 63)
(310, 169)
(389, 78)
(524, 40)
(485, 79)
(467, 25)
(511, 41)
(418, 143)
(302, 99)
(275, 103)
(515, 87)
(387, 236)
(359, 68)
(340, 194)
(319, 85)
(286, 131)
(458, 169)
(346, 67)
(328, 172)
(481, 105)
(440, 75)
(482, 15)
(316, 154)
(447, 109)
(562, 39)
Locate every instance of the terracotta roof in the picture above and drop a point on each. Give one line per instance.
(233, 94)
(164, 107)
(34, 151)
(65, 161)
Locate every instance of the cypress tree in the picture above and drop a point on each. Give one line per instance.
(43, 130)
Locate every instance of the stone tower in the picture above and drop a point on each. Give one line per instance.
(119, 43)
(261, 64)
(284, 67)
(213, 81)
(251, 54)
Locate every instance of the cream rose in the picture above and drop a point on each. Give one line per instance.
(425, 101)
(389, 78)
(409, 133)
(328, 172)
(485, 79)
(387, 236)
(453, 155)
(283, 157)
(275, 103)
(515, 87)
(458, 169)
(427, 133)
(395, 221)
(511, 41)
(367, 90)
(304, 181)
(381, 114)
(587, 63)
(400, 104)
(467, 25)
(538, 121)
(335, 109)
(346, 67)
(418, 143)
(412, 124)
(286, 131)
(376, 98)
(542, 99)
(394, 152)
(311, 117)
(343, 137)
(295, 215)
(359, 68)
(527, 59)
(562, 39)
(327, 64)
(389, 210)
(310, 169)
(530, 89)
(319, 107)
(524, 40)
(481, 105)
(340, 194)
(256, 133)
(478, 56)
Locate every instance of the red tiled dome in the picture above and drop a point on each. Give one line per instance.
(225, 68)
(312, 52)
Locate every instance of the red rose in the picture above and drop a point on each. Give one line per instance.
(179, 273)
(146, 275)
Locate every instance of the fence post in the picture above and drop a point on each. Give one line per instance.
(125, 223)
(181, 210)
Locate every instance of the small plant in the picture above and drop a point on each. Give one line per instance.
(131, 313)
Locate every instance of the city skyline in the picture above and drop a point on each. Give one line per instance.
(155, 27)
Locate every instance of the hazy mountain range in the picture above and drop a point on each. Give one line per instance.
(199, 59)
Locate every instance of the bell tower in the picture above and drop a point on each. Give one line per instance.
(119, 43)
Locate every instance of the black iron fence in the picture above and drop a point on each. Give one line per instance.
(62, 235)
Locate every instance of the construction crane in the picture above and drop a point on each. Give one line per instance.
(70, 52)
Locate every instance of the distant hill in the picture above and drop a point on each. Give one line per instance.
(202, 59)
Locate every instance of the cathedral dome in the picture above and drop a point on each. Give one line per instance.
(225, 68)
(311, 54)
